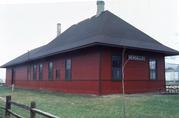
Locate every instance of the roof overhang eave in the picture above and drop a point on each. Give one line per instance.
(165, 53)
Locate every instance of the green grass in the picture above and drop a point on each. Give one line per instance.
(87, 106)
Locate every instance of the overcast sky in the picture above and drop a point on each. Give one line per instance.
(27, 24)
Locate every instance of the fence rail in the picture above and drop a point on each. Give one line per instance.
(32, 109)
(2, 84)
(172, 89)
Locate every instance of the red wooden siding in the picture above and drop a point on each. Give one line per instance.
(8, 76)
(84, 75)
(136, 73)
(86, 67)
(21, 73)
(91, 73)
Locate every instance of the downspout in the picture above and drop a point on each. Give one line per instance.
(123, 82)
(124, 62)
(123, 66)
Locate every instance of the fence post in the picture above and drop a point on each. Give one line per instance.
(32, 113)
(8, 105)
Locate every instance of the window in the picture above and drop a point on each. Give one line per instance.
(40, 71)
(153, 69)
(50, 71)
(57, 74)
(28, 72)
(116, 68)
(68, 69)
(34, 72)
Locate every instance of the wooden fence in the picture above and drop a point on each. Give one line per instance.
(2, 84)
(172, 88)
(32, 109)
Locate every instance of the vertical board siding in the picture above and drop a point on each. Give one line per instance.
(21, 73)
(136, 73)
(85, 73)
(87, 69)
(8, 76)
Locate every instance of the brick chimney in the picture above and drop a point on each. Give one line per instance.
(58, 29)
(100, 7)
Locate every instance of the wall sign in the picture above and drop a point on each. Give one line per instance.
(136, 58)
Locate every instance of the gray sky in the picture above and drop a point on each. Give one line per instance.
(27, 24)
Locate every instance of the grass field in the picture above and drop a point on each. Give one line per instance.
(86, 106)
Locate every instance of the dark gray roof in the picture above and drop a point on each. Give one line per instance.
(105, 29)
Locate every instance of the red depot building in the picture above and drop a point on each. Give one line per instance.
(90, 58)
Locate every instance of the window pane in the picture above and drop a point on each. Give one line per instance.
(40, 72)
(28, 72)
(152, 64)
(50, 71)
(153, 69)
(57, 74)
(68, 75)
(116, 68)
(116, 61)
(68, 64)
(35, 72)
(68, 69)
